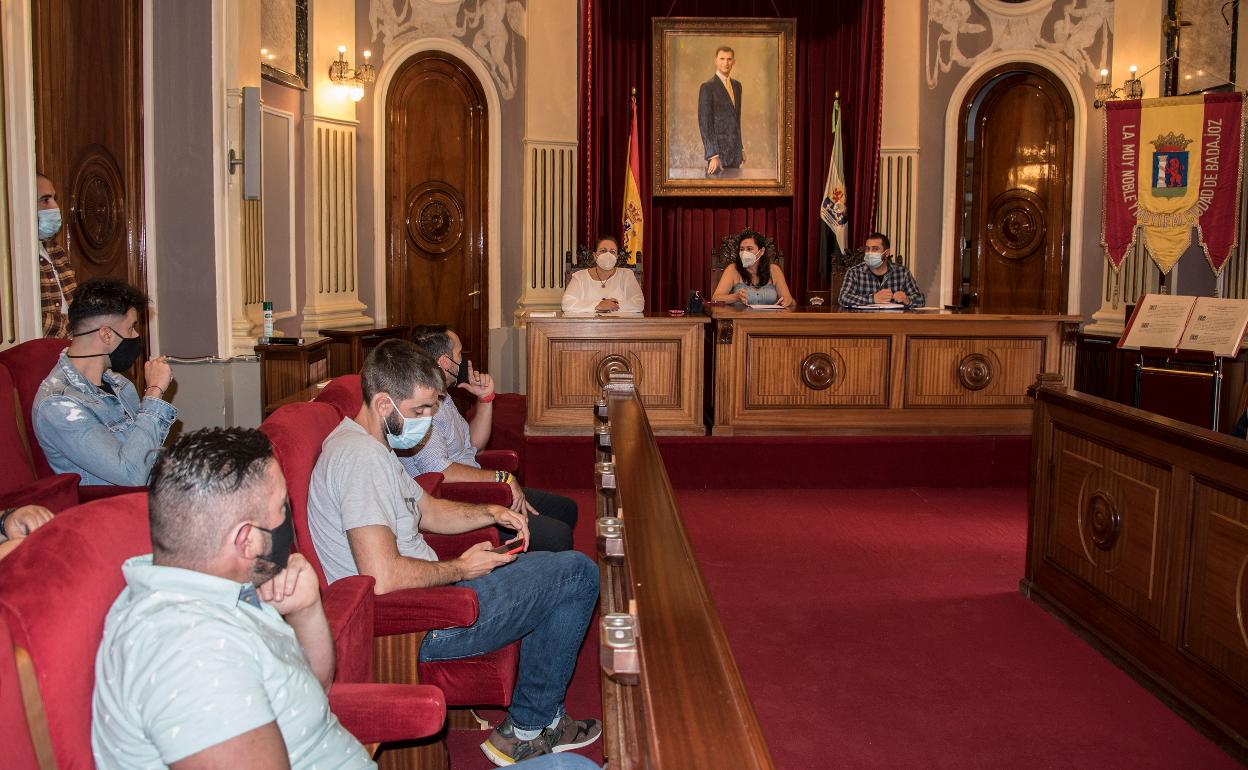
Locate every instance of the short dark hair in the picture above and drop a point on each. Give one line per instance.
(398, 367)
(102, 297)
(606, 237)
(726, 48)
(434, 339)
(881, 237)
(193, 490)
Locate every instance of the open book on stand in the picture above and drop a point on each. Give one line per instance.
(1177, 323)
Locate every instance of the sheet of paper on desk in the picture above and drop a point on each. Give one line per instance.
(881, 306)
(541, 314)
(621, 314)
(765, 307)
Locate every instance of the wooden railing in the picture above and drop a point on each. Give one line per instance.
(672, 695)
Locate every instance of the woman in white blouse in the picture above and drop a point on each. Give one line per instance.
(603, 288)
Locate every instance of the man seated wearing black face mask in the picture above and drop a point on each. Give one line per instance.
(217, 653)
(88, 417)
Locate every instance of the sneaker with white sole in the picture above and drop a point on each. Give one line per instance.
(572, 733)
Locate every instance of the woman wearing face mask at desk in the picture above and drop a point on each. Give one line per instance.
(751, 279)
(603, 288)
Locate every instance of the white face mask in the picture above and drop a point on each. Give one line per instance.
(873, 259)
(605, 260)
(748, 258)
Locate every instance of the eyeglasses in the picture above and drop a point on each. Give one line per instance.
(612, 252)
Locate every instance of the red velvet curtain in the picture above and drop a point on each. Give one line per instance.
(839, 48)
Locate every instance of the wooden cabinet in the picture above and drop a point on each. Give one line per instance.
(1139, 535)
(570, 359)
(349, 347)
(288, 369)
(864, 373)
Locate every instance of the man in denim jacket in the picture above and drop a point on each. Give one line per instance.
(88, 417)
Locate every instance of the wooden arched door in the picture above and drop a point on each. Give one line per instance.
(437, 166)
(1015, 162)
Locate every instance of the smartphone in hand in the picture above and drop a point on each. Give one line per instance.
(507, 549)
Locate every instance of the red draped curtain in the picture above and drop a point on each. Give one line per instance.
(839, 48)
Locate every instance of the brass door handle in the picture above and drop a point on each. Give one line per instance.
(474, 293)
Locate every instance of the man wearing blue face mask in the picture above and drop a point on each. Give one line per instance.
(56, 277)
(88, 417)
(878, 279)
(366, 515)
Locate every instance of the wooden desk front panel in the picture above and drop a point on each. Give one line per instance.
(1138, 534)
(1105, 522)
(796, 372)
(1215, 629)
(570, 359)
(972, 371)
(830, 373)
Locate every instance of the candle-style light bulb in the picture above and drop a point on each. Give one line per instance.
(1132, 69)
(1104, 75)
(368, 55)
(342, 49)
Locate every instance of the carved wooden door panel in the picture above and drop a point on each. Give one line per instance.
(88, 117)
(437, 152)
(1017, 221)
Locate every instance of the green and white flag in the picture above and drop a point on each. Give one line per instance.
(833, 211)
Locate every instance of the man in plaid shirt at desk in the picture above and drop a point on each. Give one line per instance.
(877, 280)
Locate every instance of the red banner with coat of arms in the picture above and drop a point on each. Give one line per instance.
(1171, 165)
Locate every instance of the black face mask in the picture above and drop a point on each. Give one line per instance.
(123, 356)
(283, 539)
(461, 374)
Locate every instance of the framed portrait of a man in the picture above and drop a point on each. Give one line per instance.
(723, 106)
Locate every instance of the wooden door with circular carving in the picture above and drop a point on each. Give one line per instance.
(437, 151)
(89, 133)
(1015, 153)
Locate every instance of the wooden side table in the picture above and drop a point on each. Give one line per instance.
(288, 369)
(349, 347)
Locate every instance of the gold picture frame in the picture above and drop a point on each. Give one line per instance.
(695, 107)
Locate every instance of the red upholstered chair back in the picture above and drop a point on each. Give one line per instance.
(54, 593)
(19, 748)
(28, 363)
(14, 450)
(344, 393)
(297, 432)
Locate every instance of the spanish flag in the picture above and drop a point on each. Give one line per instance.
(633, 220)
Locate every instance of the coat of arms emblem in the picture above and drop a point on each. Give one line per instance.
(1170, 165)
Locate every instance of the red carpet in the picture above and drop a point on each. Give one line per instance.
(884, 629)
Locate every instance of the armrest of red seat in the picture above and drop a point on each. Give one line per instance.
(381, 713)
(430, 482)
(56, 493)
(449, 547)
(499, 460)
(349, 608)
(479, 492)
(424, 609)
(89, 492)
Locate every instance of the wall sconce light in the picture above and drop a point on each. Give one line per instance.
(1131, 88)
(352, 82)
(266, 56)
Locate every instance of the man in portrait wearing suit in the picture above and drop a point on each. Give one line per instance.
(719, 115)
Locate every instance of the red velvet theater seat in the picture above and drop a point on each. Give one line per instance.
(26, 365)
(57, 587)
(297, 432)
(18, 484)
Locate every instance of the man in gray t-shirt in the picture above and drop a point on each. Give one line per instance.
(358, 482)
(453, 444)
(366, 515)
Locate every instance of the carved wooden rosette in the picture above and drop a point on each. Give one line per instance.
(975, 371)
(615, 363)
(435, 218)
(95, 206)
(817, 371)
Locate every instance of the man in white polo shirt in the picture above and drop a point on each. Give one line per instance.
(217, 653)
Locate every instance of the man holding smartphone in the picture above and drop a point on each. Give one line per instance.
(366, 514)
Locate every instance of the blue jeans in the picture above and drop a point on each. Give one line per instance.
(543, 599)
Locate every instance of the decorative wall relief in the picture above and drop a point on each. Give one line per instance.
(489, 27)
(1075, 30)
